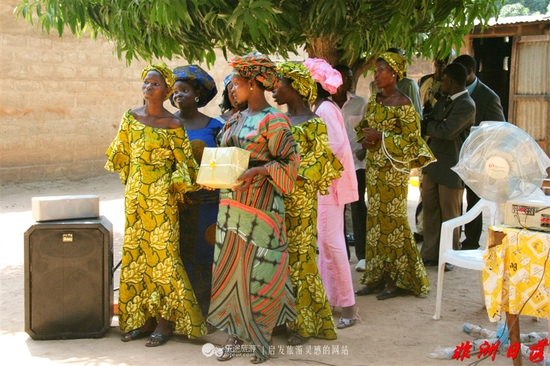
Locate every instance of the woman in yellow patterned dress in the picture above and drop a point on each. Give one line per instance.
(154, 159)
(390, 132)
(318, 167)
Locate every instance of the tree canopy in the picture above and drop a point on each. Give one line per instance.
(352, 32)
(513, 10)
(532, 6)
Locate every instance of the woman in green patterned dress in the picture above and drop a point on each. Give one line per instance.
(318, 167)
(390, 132)
(154, 159)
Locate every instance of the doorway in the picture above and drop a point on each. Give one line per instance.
(493, 56)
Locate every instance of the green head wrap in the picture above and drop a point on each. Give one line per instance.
(301, 78)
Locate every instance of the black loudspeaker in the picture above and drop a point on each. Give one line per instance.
(68, 279)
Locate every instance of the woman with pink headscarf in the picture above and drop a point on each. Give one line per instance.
(333, 259)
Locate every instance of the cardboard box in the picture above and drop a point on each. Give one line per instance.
(495, 236)
(222, 166)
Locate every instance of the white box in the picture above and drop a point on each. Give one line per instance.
(222, 166)
(65, 207)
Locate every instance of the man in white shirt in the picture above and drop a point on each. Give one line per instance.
(353, 109)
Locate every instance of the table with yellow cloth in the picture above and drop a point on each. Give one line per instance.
(516, 276)
(517, 273)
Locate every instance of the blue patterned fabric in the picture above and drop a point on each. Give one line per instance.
(201, 79)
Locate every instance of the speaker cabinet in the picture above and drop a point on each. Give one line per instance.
(68, 279)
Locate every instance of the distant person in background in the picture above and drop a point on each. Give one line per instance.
(333, 259)
(229, 105)
(430, 84)
(154, 159)
(447, 126)
(318, 167)
(194, 89)
(390, 134)
(353, 109)
(488, 108)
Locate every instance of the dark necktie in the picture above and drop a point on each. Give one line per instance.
(448, 101)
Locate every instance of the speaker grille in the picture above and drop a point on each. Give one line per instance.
(68, 279)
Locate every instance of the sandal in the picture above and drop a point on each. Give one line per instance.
(157, 339)
(368, 290)
(227, 350)
(135, 334)
(385, 294)
(210, 328)
(346, 323)
(296, 339)
(256, 360)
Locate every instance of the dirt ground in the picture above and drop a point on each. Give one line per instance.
(397, 331)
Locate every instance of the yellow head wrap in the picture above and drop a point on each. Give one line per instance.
(301, 78)
(166, 73)
(396, 62)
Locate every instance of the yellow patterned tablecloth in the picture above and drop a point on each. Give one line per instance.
(516, 272)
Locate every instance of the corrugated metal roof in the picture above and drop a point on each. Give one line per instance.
(520, 19)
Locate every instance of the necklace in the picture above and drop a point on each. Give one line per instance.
(391, 96)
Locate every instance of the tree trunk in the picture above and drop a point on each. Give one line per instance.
(327, 49)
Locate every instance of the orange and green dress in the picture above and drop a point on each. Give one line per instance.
(390, 246)
(156, 165)
(318, 166)
(251, 288)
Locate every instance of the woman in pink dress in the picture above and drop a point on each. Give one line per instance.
(333, 258)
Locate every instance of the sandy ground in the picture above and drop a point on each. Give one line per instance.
(398, 331)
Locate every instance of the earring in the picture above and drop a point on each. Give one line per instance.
(393, 75)
(196, 99)
(251, 88)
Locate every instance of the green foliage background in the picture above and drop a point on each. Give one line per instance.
(346, 31)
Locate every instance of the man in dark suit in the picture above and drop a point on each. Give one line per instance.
(447, 127)
(488, 108)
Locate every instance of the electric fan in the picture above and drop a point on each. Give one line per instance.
(500, 161)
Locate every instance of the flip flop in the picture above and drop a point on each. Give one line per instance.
(384, 295)
(295, 339)
(346, 323)
(134, 334)
(157, 339)
(368, 290)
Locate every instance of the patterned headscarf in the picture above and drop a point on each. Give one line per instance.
(195, 75)
(301, 78)
(396, 62)
(227, 80)
(166, 73)
(256, 66)
(321, 71)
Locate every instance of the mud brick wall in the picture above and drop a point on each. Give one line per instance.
(61, 100)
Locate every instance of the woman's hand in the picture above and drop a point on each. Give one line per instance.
(245, 180)
(371, 137)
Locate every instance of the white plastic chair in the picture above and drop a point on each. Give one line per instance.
(471, 259)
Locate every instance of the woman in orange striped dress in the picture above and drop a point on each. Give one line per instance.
(251, 288)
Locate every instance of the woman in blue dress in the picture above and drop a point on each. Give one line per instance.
(194, 89)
